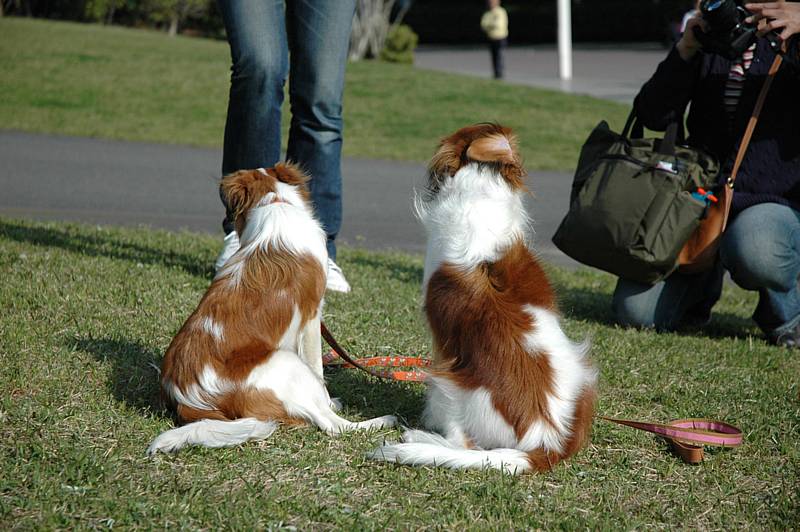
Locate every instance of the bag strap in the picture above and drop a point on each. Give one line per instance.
(634, 129)
(751, 124)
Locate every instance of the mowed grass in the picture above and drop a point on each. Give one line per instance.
(87, 312)
(90, 80)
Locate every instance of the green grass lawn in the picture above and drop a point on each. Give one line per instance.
(87, 312)
(112, 82)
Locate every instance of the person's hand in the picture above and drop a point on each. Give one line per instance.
(688, 46)
(784, 16)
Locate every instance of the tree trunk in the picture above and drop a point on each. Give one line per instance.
(173, 25)
(110, 14)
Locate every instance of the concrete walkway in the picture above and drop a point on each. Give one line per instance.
(613, 72)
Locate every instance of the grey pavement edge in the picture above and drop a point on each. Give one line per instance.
(49, 177)
(614, 71)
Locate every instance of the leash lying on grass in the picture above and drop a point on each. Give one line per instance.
(686, 436)
(364, 364)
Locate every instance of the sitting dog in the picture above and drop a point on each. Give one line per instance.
(508, 389)
(250, 355)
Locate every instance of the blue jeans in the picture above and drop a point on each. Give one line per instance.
(760, 249)
(306, 40)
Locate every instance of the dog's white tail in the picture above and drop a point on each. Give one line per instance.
(426, 448)
(212, 433)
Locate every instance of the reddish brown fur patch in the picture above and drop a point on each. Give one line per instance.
(454, 153)
(259, 404)
(479, 324)
(243, 190)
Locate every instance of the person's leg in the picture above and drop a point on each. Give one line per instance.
(499, 70)
(319, 37)
(761, 249)
(494, 49)
(256, 32)
(678, 300)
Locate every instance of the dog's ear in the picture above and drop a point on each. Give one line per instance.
(290, 173)
(446, 161)
(236, 191)
(495, 148)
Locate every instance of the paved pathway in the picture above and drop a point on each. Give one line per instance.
(613, 72)
(48, 177)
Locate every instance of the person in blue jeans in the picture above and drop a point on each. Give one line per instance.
(306, 40)
(761, 246)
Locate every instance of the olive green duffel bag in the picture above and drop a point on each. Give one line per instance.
(636, 201)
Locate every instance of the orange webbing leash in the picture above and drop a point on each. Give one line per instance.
(365, 364)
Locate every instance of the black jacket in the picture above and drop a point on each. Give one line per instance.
(770, 171)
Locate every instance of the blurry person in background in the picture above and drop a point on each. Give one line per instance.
(494, 24)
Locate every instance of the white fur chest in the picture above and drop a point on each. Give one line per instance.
(472, 219)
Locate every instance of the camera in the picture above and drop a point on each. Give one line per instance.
(728, 34)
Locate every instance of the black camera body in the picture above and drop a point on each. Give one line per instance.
(727, 32)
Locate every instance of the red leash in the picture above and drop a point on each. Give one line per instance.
(364, 364)
(686, 436)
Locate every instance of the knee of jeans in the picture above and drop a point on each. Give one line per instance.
(260, 68)
(757, 261)
(633, 311)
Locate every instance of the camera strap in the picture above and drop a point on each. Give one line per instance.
(726, 194)
(751, 124)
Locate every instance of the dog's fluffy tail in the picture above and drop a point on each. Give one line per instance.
(426, 448)
(212, 433)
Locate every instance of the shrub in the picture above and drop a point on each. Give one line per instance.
(400, 44)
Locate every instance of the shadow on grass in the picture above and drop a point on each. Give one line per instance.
(406, 273)
(134, 381)
(370, 397)
(595, 306)
(99, 245)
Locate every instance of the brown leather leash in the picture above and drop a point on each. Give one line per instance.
(687, 437)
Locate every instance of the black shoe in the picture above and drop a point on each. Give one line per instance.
(790, 338)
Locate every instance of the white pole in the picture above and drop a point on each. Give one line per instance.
(565, 39)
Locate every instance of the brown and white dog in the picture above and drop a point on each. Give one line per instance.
(509, 390)
(250, 356)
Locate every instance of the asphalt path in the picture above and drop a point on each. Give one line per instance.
(49, 177)
(612, 71)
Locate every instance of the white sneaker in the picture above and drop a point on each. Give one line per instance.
(230, 245)
(336, 280)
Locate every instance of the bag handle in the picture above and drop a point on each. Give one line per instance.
(633, 129)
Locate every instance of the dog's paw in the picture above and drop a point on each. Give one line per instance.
(164, 443)
(336, 404)
(413, 436)
(386, 422)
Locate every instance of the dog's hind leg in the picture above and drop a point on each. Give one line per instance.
(310, 345)
(303, 395)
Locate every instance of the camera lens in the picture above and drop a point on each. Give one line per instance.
(721, 15)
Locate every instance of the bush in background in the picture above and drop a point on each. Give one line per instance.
(400, 45)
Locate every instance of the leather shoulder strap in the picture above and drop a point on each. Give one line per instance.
(751, 124)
